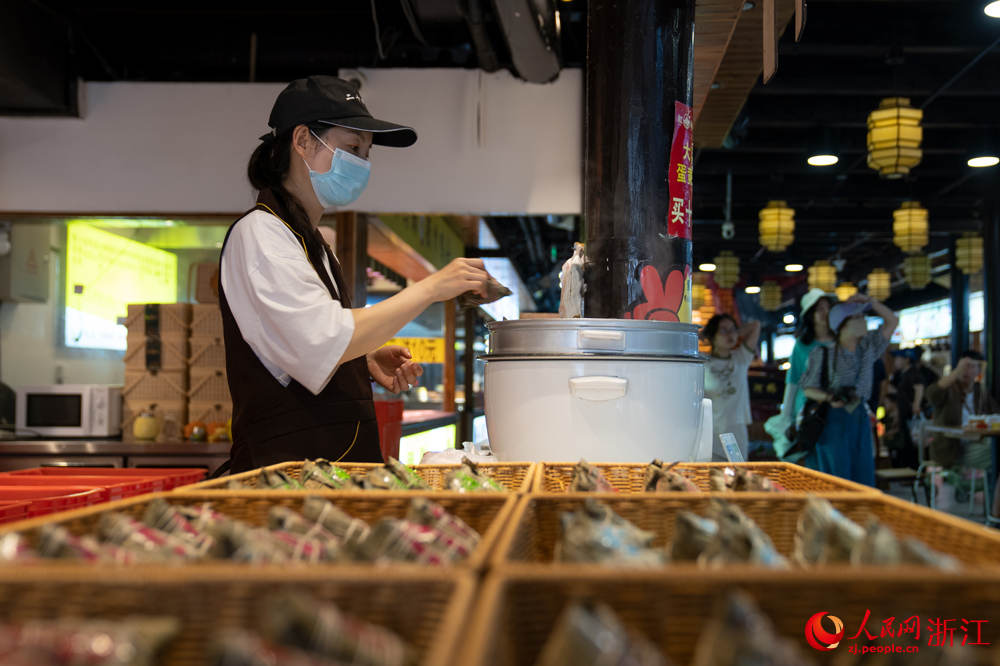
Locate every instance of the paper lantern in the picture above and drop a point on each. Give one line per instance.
(777, 226)
(917, 269)
(909, 227)
(822, 275)
(969, 254)
(770, 296)
(727, 270)
(879, 284)
(845, 290)
(894, 136)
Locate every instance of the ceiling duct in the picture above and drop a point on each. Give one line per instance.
(531, 28)
(36, 75)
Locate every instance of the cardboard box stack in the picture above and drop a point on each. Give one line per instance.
(208, 391)
(156, 368)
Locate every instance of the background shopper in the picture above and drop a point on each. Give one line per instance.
(845, 447)
(814, 329)
(726, 381)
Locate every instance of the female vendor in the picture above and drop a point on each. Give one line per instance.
(299, 355)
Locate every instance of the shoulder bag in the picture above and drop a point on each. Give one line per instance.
(813, 421)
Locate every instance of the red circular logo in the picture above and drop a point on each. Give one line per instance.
(818, 637)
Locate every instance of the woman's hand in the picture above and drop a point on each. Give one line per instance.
(459, 276)
(392, 368)
(860, 298)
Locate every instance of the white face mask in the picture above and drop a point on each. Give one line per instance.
(344, 182)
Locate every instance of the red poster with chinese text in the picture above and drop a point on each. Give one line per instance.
(680, 175)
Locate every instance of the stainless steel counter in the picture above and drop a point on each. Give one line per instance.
(22, 454)
(77, 447)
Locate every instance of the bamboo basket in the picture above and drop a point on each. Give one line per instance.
(162, 386)
(425, 609)
(171, 320)
(210, 412)
(209, 385)
(207, 352)
(555, 478)
(206, 320)
(173, 353)
(534, 528)
(516, 477)
(487, 514)
(517, 610)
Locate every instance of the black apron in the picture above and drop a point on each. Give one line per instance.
(274, 423)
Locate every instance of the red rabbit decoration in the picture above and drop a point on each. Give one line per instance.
(663, 299)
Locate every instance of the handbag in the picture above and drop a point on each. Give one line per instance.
(813, 421)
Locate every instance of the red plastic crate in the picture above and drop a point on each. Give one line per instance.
(50, 499)
(10, 511)
(162, 478)
(115, 488)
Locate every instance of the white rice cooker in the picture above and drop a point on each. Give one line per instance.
(608, 390)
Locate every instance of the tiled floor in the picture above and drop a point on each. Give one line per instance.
(945, 500)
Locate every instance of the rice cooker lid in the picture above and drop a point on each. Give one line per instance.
(592, 337)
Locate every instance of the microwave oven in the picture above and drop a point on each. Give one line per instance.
(69, 410)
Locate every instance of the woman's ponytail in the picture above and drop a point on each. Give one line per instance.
(267, 169)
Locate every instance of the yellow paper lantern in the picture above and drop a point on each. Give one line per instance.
(917, 269)
(727, 270)
(777, 226)
(969, 254)
(909, 227)
(894, 136)
(697, 295)
(845, 290)
(770, 296)
(822, 275)
(879, 284)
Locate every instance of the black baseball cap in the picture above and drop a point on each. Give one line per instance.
(333, 101)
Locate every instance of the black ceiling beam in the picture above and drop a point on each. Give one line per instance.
(824, 112)
(36, 75)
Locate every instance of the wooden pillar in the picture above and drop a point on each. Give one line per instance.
(448, 401)
(638, 162)
(469, 408)
(959, 308)
(991, 307)
(352, 252)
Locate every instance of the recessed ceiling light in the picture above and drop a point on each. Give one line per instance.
(824, 160)
(785, 366)
(985, 160)
(794, 268)
(993, 9)
(788, 318)
(753, 290)
(708, 268)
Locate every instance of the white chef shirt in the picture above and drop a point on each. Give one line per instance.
(282, 308)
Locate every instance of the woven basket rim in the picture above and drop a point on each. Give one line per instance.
(527, 484)
(477, 560)
(504, 545)
(486, 613)
(538, 487)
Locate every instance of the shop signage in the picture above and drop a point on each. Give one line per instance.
(431, 236)
(423, 350)
(680, 173)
